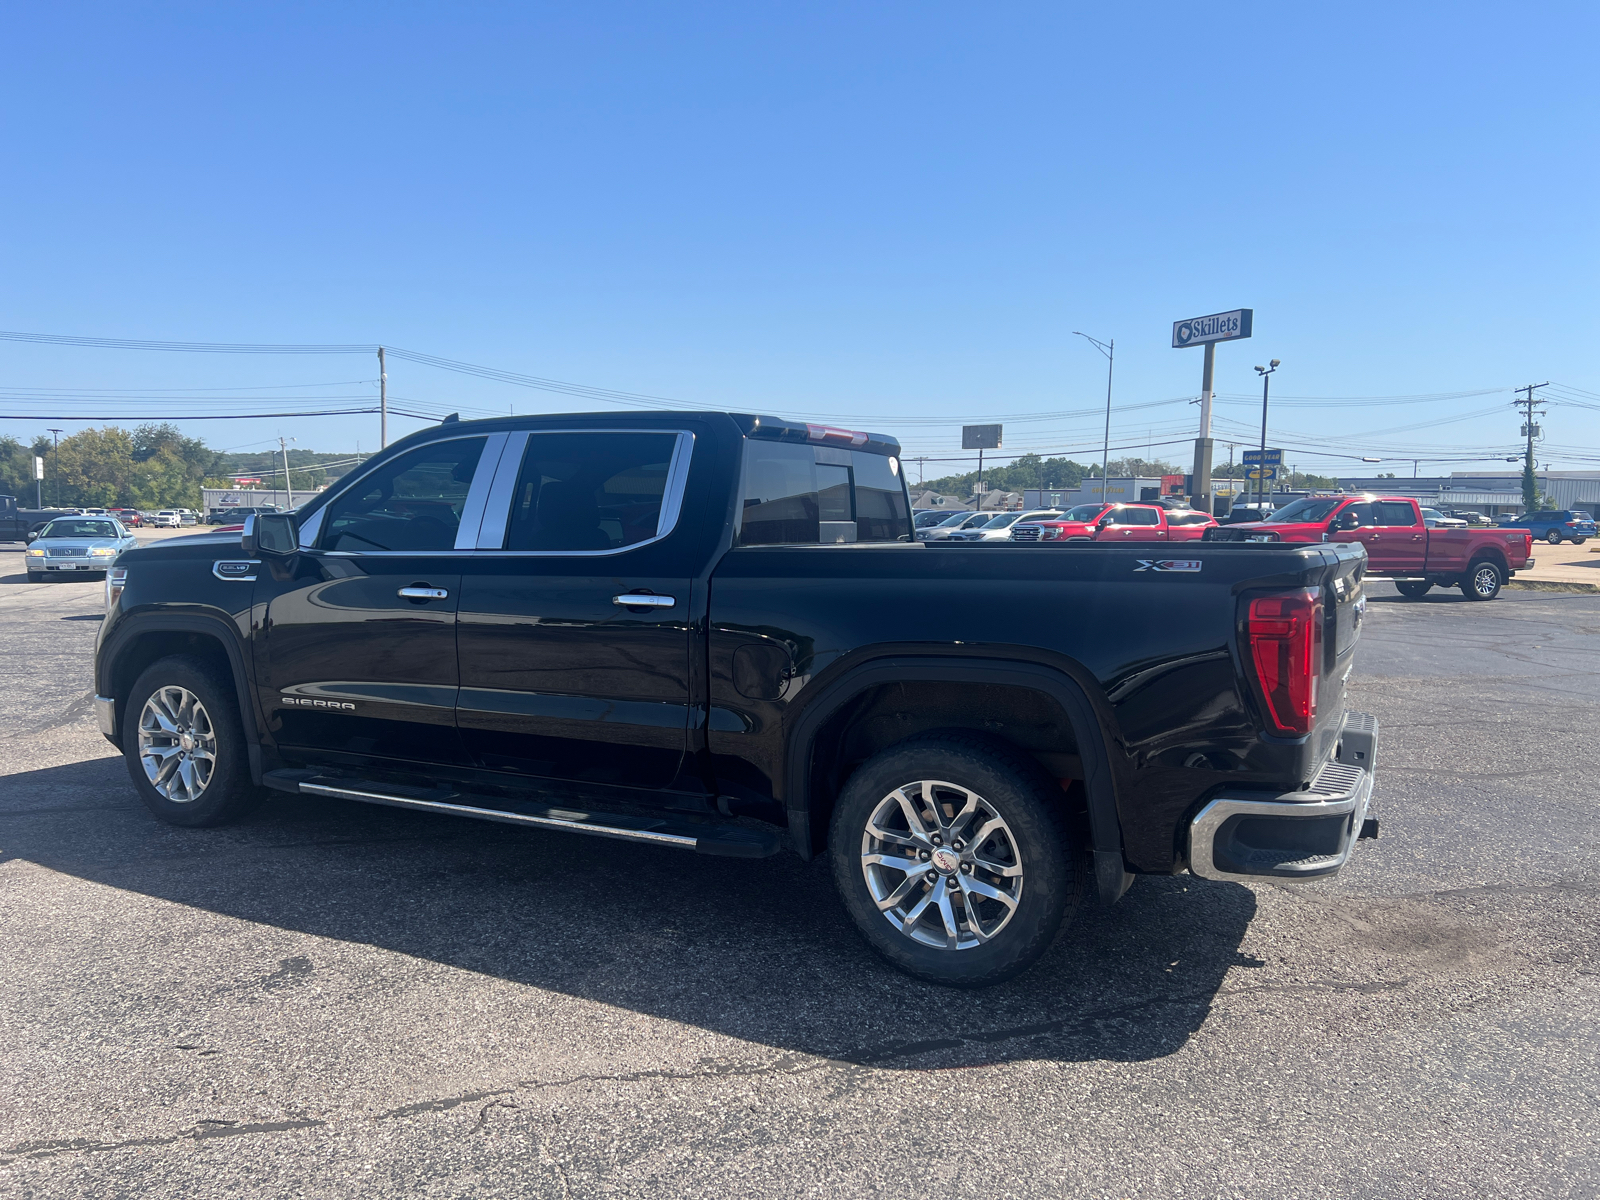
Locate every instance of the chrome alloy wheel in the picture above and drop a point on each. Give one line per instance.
(177, 744)
(1485, 579)
(942, 865)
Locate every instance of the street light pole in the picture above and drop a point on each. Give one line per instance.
(1109, 349)
(56, 451)
(1265, 373)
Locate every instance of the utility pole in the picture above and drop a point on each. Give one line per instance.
(1109, 349)
(57, 452)
(383, 402)
(1530, 485)
(287, 491)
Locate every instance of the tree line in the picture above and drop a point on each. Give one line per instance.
(1030, 471)
(151, 467)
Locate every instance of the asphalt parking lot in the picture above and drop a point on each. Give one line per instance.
(333, 1000)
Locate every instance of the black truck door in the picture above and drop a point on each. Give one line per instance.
(357, 653)
(574, 631)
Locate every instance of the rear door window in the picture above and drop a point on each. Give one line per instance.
(1394, 512)
(810, 495)
(597, 491)
(1141, 516)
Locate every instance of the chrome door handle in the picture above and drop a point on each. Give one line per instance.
(643, 600)
(422, 593)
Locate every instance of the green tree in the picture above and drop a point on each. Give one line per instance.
(16, 471)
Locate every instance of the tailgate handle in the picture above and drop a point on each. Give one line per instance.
(643, 600)
(422, 593)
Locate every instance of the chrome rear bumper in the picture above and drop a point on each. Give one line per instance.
(1297, 835)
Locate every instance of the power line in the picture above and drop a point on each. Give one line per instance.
(331, 412)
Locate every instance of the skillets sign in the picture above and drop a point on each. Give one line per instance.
(1218, 327)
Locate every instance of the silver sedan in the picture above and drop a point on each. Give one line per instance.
(79, 545)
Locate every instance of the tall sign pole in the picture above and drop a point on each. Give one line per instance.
(981, 438)
(1207, 332)
(1203, 445)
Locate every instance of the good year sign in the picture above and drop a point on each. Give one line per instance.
(1218, 327)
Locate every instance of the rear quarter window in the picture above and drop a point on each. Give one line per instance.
(810, 495)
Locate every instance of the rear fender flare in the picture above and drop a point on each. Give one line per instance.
(1111, 875)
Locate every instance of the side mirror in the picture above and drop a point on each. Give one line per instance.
(270, 535)
(32, 535)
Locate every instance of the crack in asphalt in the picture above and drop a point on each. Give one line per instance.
(198, 1132)
(796, 1063)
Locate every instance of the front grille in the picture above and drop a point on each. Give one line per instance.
(66, 552)
(1025, 533)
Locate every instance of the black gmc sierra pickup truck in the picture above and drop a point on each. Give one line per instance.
(717, 633)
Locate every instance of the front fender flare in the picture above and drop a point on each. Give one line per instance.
(136, 625)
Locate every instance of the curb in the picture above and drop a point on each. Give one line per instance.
(1550, 585)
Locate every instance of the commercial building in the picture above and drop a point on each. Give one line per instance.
(223, 498)
(1493, 493)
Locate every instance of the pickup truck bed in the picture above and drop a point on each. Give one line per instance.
(713, 632)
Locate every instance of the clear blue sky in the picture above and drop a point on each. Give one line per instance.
(890, 215)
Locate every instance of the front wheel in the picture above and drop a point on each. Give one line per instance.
(35, 576)
(184, 744)
(953, 856)
(1553, 537)
(1482, 581)
(1413, 589)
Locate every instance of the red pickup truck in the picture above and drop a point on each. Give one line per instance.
(1399, 544)
(1116, 523)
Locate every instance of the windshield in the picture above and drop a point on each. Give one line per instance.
(949, 522)
(1084, 512)
(79, 529)
(1309, 509)
(1002, 521)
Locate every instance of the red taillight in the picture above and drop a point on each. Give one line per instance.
(1285, 633)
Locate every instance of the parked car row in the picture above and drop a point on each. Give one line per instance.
(1555, 525)
(1084, 523)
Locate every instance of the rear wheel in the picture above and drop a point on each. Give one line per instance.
(1578, 541)
(953, 856)
(184, 744)
(1553, 537)
(1482, 581)
(1412, 589)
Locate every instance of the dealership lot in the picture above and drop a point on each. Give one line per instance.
(336, 1000)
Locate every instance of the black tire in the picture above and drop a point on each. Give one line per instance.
(1482, 581)
(226, 794)
(1413, 589)
(1035, 840)
(1553, 536)
(35, 576)
(1578, 541)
